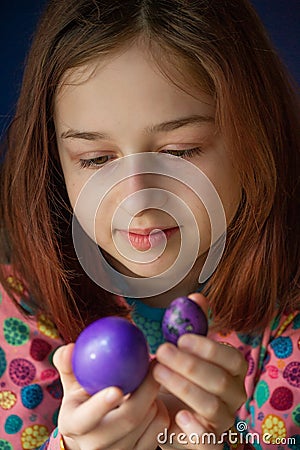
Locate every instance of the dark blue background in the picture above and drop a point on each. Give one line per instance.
(18, 19)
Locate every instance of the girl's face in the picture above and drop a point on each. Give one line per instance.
(125, 106)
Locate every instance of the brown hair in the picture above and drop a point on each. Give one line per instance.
(225, 47)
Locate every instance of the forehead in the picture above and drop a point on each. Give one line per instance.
(133, 81)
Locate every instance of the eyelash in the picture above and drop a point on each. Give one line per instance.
(184, 154)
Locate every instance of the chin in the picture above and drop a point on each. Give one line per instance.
(143, 270)
(156, 268)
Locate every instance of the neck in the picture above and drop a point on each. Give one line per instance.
(188, 285)
(185, 287)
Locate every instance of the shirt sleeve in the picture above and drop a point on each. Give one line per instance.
(30, 387)
(272, 412)
(54, 442)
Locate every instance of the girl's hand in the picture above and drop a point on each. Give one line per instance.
(207, 379)
(108, 420)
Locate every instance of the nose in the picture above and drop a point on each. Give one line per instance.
(139, 195)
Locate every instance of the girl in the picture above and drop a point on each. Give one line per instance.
(198, 85)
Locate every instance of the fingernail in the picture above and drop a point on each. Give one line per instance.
(111, 395)
(183, 418)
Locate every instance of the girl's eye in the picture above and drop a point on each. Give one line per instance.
(95, 162)
(99, 161)
(188, 153)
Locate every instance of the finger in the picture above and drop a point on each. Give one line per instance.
(145, 395)
(144, 436)
(82, 418)
(225, 356)
(205, 404)
(112, 438)
(132, 412)
(148, 389)
(210, 377)
(62, 360)
(199, 434)
(200, 300)
(149, 437)
(78, 406)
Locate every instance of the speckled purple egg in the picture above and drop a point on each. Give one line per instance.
(183, 316)
(110, 352)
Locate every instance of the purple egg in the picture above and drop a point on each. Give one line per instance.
(183, 316)
(110, 352)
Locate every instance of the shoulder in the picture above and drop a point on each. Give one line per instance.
(273, 378)
(18, 289)
(274, 352)
(30, 392)
(283, 328)
(283, 351)
(19, 308)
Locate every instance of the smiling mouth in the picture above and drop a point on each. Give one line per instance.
(144, 239)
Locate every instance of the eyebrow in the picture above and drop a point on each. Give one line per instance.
(164, 126)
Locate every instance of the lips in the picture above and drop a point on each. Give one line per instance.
(144, 239)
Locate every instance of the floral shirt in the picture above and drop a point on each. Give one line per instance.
(30, 388)
(31, 393)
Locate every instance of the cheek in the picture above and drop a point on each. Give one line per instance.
(200, 213)
(73, 190)
(70, 180)
(103, 221)
(226, 182)
(230, 198)
(204, 226)
(75, 182)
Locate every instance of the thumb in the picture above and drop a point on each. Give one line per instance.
(200, 300)
(62, 360)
